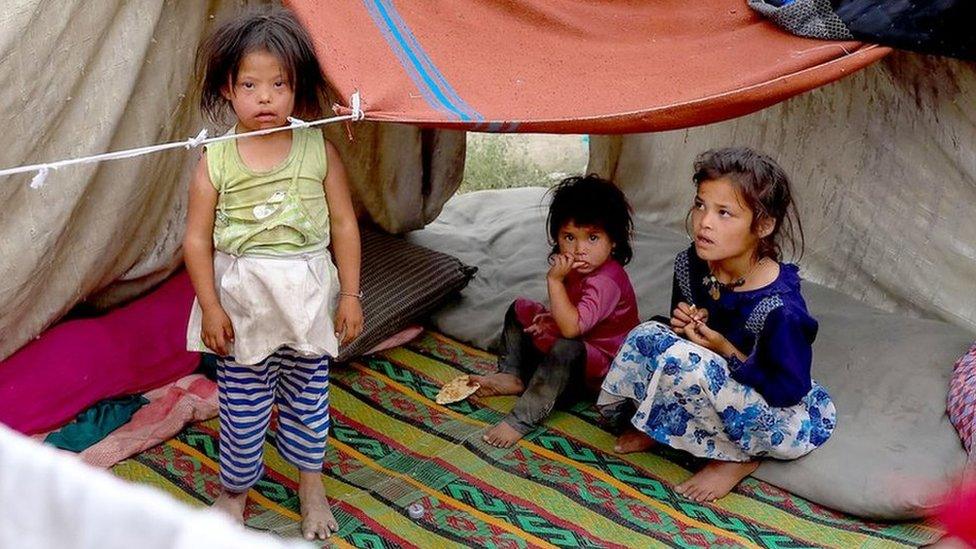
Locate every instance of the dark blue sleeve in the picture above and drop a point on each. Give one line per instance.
(779, 366)
(676, 296)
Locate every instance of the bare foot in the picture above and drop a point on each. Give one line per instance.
(502, 435)
(715, 480)
(231, 503)
(317, 519)
(631, 441)
(498, 384)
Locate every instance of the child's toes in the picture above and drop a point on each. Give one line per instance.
(314, 530)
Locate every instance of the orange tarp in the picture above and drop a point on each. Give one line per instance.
(566, 66)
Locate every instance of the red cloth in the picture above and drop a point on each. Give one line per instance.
(959, 515)
(607, 309)
(132, 349)
(566, 66)
(170, 408)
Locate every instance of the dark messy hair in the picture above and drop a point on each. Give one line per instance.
(271, 29)
(593, 202)
(764, 187)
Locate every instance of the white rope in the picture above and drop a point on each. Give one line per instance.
(357, 110)
(194, 142)
(201, 138)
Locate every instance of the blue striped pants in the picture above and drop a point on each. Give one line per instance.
(299, 386)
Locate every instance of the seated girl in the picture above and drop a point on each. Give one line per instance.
(547, 354)
(729, 379)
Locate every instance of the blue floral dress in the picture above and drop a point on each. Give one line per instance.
(693, 399)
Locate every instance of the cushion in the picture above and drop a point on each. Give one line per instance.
(401, 284)
(961, 402)
(134, 348)
(402, 337)
(894, 446)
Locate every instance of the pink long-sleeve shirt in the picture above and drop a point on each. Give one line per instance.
(607, 309)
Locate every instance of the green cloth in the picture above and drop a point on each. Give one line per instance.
(96, 423)
(281, 211)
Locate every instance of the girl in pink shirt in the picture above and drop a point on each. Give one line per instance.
(544, 352)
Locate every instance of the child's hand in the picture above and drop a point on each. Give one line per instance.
(685, 314)
(561, 265)
(699, 333)
(541, 324)
(216, 331)
(348, 319)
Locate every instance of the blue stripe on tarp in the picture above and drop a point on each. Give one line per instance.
(448, 90)
(418, 65)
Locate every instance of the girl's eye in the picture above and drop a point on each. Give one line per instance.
(724, 213)
(699, 205)
(569, 238)
(279, 84)
(594, 237)
(248, 85)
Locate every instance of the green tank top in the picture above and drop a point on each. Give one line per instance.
(281, 211)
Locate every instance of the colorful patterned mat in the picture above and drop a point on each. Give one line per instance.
(392, 446)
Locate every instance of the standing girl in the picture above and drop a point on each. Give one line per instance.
(263, 212)
(543, 353)
(738, 386)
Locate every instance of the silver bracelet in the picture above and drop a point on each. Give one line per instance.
(350, 294)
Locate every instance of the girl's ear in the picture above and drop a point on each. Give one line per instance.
(226, 88)
(766, 227)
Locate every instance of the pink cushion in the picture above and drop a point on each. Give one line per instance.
(961, 402)
(134, 348)
(400, 338)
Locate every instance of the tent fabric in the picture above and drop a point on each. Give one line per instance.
(882, 167)
(400, 175)
(82, 79)
(565, 66)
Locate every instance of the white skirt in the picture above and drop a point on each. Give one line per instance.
(273, 302)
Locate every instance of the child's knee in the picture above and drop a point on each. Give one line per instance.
(510, 313)
(570, 349)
